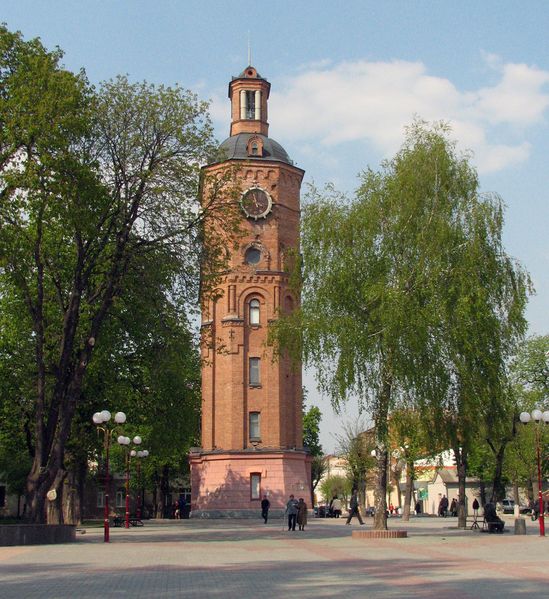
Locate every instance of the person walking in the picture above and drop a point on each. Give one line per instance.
(353, 508)
(301, 514)
(443, 507)
(291, 511)
(336, 507)
(265, 505)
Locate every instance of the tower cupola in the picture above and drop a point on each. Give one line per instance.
(249, 93)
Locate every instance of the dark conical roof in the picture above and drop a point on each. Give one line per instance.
(236, 147)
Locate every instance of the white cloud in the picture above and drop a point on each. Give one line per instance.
(330, 104)
(517, 98)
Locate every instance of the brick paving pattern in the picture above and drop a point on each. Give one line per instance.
(241, 559)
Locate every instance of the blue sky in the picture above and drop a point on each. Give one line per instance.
(346, 78)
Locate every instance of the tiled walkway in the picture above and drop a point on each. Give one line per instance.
(243, 559)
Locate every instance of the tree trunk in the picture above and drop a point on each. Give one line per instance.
(461, 461)
(482, 488)
(154, 501)
(382, 453)
(74, 493)
(408, 493)
(498, 488)
(165, 492)
(54, 507)
(516, 494)
(380, 491)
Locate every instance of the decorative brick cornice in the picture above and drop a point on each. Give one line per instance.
(380, 534)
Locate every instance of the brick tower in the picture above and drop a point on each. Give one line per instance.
(252, 437)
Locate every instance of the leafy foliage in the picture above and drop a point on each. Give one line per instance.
(407, 292)
(99, 220)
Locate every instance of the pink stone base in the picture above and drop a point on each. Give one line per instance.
(220, 481)
(380, 534)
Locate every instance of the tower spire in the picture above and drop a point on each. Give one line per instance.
(249, 50)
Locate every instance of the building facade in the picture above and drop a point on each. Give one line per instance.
(252, 437)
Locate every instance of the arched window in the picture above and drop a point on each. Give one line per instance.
(254, 311)
(255, 146)
(120, 498)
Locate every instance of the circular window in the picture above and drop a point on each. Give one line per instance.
(252, 256)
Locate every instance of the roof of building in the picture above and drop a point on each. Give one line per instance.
(236, 147)
(450, 477)
(249, 71)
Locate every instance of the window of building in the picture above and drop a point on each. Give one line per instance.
(250, 105)
(100, 499)
(255, 485)
(255, 145)
(255, 431)
(254, 311)
(252, 256)
(120, 498)
(254, 378)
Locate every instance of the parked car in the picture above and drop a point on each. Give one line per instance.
(507, 506)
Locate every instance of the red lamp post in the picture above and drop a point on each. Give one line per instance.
(125, 441)
(537, 417)
(101, 419)
(139, 454)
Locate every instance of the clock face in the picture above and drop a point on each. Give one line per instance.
(256, 203)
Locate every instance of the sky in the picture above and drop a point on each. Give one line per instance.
(347, 77)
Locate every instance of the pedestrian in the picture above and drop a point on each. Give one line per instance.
(301, 514)
(336, 506)
(476, 505)
(265, 505)
(453, 507)
(493, 520)
(182, 506)
(331, 507)
(291, 511)
(418, 508)
(443, 506)
(353, 508)
(391, 508)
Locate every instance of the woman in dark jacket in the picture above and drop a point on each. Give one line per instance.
(301, 514)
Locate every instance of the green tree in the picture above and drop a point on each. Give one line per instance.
(311, 440)
(336, 485)
(529, 376)
(409, 441)
(402, 289)
(356, 446)
(90, 184)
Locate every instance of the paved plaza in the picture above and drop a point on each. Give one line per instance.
(241, 559)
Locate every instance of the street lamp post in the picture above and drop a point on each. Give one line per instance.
(101, 420)
(139, 454)
(124, 442)
(537, 417)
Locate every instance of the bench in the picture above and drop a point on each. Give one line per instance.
(119, 521)
(490, 526)
(474, 522)
(481, 525)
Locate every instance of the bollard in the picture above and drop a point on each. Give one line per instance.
(520, 526)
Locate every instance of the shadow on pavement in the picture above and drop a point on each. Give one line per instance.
(349, 578)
